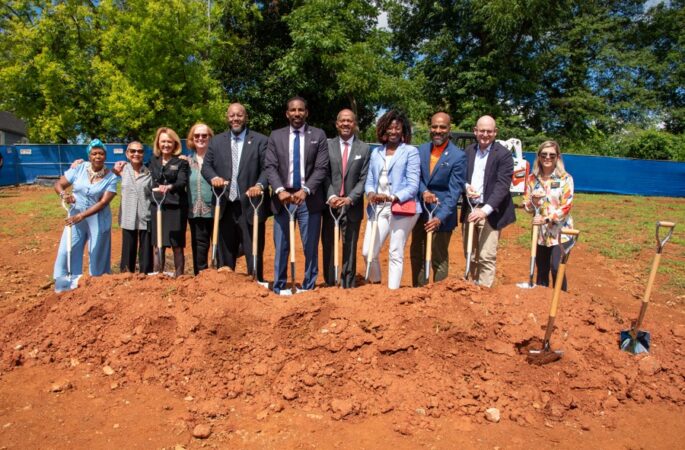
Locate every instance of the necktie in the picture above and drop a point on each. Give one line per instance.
(296, 161)
(235, 161)
(344, 168)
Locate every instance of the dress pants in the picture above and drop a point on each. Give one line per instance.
(398, 227)
(484, 257)
(136, 244)
(310, 229)
(349, 234)
(99, 241)
(235, 238)
(200, 236)
(547, 259)
(440, 262)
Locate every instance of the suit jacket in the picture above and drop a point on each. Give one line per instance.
(355, 175)
(219, 163)
(175, 172)
(404, 173)
(446, 182)
(315, 165)
(498, 171)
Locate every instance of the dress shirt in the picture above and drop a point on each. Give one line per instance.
(291, 140)
(342, 146)
(240, 140)
(478, 176)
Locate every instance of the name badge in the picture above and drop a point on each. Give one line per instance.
(173, 167)
(555, 185)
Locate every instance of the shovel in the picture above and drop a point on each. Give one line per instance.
(255, 238)
(634, 340)
(546, 355)
(292, 209)
(160, 250)
(336, 243)
(69, 282)
(430, 209)
(372, 240)
(533, 254)
(215, 231)
(469, 243)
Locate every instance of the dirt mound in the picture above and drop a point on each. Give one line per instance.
(450, 349)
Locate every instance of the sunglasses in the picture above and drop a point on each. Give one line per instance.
(548, 155)
(200, 136)
(134, 151)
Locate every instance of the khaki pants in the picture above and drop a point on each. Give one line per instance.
(484, 255)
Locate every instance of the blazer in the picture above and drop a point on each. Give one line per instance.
(219, 163)
(355, 175)
(276, 165)
(176, 172)
(498, 171)
(404, 173)
(446, 182)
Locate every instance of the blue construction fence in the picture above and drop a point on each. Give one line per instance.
(24, 163)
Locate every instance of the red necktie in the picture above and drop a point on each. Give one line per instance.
(344, 168)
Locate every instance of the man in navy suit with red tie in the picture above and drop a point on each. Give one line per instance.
(296, 165)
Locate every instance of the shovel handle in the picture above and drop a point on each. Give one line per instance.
(429, 246)
(666, 224)
(469, 238)
(291, 226)
(336, 238)
(570, 231)
(159, 228)
(659, 241)
(215, 230)
(534, 241)
(557, 290)
(255, 237)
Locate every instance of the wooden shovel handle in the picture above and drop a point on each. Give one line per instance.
(255, 228)
(666, 224)
(292, 240)
(534, 241)
(215, 231)
(469, 238)
(429, 246)
(159, 228)
(336, 238)
(557, 290)
(570, 231)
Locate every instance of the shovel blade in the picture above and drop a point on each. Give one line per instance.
(635, 346)
(66, 283)
(525, 285)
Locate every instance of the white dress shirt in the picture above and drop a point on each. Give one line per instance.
(291, 140)
(478, 176)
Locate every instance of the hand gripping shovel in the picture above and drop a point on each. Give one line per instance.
(546, 355)
(372, 240)
(634, 340)
(430, 209)
(336, 239)
(69, 282)
(255, 238)
(160, 250)
(469, 243)
(533, 254)
(215, 230)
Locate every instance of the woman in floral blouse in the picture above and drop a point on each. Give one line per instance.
(550, 197)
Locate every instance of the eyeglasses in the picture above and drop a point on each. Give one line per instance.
(200, 136)
(548, 155)
(139, 151)
(485, 131)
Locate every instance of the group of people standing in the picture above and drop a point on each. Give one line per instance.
(297, 174)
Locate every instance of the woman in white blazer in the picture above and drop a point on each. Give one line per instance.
(392, 187)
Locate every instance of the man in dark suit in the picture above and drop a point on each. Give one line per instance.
(237, 156)
(490, 167)
(296, 166)
(349, 159)
(443, 171)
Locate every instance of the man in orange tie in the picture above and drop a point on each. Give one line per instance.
(443, 171)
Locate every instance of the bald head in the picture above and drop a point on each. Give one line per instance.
(236, 116)
(440, 128)
(485, 131)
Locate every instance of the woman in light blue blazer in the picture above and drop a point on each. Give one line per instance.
(392, 187)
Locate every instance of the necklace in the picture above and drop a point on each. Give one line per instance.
(93, 175)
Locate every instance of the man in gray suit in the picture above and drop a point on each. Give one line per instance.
(345, 189)
(248, 179)
(296, 166)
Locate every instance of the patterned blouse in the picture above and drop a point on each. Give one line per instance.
(199, 191)
(556, 206)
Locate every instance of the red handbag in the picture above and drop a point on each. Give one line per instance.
(407, 208)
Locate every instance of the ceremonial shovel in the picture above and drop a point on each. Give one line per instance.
(160, 250)
(634, 340)
(546, 355)
(429, 238)
(255, 238)
(215, 231)
(69, 282)
(336, 244)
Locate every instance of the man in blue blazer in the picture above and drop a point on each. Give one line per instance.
(296, 166)
(248, 179)
(488, 178)
(443, 171)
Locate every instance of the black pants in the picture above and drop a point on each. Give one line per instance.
(349, 235)
(200, 236)
(547, 259)
(235, 238)
(136, 244)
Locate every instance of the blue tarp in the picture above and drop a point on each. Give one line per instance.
(23, 163)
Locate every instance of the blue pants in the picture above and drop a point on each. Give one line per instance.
(310, 228)
(99, 249)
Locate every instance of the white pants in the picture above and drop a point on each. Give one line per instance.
(399, 228)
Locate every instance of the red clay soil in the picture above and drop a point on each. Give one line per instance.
(131, 361)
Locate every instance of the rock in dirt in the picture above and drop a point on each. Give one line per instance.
(108, 371)
(61, 386)
(492, 415)
(649, 366)
(202, 431)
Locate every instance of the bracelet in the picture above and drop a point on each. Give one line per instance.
(62, 194)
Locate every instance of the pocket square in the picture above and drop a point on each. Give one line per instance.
(356, 157)
(313, 142)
